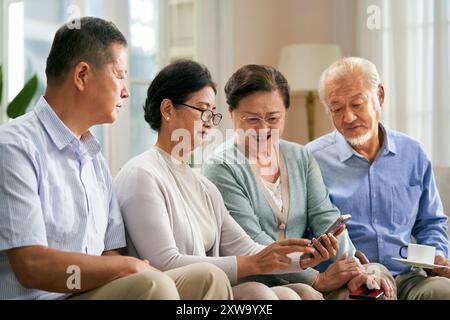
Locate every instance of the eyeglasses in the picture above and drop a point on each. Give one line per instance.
(206, 115)
(254, 120)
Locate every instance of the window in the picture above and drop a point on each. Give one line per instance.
(412, 53)
(143, 68)
(32, 25)
(15, 70)
(158, 32)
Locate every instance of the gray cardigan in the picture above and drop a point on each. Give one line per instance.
(309, 203)
(158, 228)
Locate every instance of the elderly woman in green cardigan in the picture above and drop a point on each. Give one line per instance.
(274, 189)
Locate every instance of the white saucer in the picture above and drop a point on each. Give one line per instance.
(419, 264)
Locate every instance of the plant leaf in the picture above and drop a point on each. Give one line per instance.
(19, 104)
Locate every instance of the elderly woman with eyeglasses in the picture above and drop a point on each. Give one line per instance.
(274, 189)
(176, 217)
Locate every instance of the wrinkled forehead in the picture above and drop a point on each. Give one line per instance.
(262, 102)
(346, 87)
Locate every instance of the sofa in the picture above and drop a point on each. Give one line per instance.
(442, 176)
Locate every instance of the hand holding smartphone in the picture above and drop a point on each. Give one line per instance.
(338, 223)
(324, 249)
(341, 220)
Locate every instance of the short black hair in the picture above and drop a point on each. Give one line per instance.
(176, 82)
(91, 43)
(254, 78)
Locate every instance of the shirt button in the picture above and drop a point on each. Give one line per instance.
(282, 226)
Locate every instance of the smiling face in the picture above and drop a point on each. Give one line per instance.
(355, 108)
(189, 119)
(107, 90)
(250, 112)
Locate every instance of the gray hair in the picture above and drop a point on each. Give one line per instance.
(346, 66)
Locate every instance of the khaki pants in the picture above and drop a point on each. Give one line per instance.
(200, 281)
(258, 291)
(376, 268)
(417, 285)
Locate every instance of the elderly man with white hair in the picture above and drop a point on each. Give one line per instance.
(382, 177)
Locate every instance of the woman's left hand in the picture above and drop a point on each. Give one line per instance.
(326, 247)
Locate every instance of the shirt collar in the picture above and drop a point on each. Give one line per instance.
(59, 133)
(345, 150)
(389, 145)
(91, 144)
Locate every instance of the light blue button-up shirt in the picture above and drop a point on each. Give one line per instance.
(55, 191)
(391, 200)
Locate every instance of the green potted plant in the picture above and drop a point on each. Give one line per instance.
(18, 106)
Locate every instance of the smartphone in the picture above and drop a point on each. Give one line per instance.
(339, 222)
(335, 226)
(364, 293)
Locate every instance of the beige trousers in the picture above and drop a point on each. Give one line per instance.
(417, 285)
(258, 291)
(199, 281)
(372, 268)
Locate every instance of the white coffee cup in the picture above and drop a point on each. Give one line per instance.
(419, 253)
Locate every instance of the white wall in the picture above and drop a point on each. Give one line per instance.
(262, 27)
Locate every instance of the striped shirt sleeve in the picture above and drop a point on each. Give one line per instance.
(21, 219)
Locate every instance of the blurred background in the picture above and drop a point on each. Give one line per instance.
(408, 40)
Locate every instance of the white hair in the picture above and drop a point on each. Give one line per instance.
(345, 67)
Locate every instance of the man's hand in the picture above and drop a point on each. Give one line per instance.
(146, 266)
(372, 282)
(362, 257)
(440, 272)
(111, 253)
(369, 280)
(43, 268)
